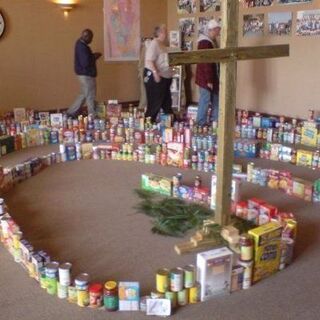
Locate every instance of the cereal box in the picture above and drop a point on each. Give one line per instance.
(304, 158)
(175, 154)
(214, 269)
(129, 296)
(309, 136)
(267, 239)
(155, 183)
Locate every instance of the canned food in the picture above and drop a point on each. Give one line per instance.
(247, 274)
(65, 274)
(183, 297)
(95, 295)
(82, 298)
(194, 294)
(52, 285)
(52, 270)
(176, 279)
(81, 281)
(189, 276)
(162, 280)
(172, 296)
(72, 294)
(62, 291)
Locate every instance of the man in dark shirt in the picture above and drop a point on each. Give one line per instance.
(86, 70)
(207, 76)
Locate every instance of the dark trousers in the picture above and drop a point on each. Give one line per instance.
(158, 95)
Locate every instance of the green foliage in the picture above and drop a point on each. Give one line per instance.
(171, 216)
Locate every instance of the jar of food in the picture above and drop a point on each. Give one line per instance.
(246, 247)
(111, 299)
(95, 295)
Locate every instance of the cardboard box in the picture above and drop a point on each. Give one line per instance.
(56, 120)
(113, 109)
(175, 154)
(214, 269)
(129, 296)
(184, 192)
(302, 189)
(267, 251)
(6, 144)
(155, 183)
(309, 136)
(304, 158)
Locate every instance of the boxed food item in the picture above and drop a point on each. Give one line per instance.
(302, 189)
(304, 158)
(155, 183)
(86, 150)
(56, 120)
(158, 307)
(129, 296)
(214, 269)
(201, 195)
(267, 250)
(113, 109)
(309, 136)
(192, 112)
(101, 110)
(316, 191)
(184, 192)
(6, 144)
(285, 181)
(273, 179)
(167, 135)
(175, 154)
(19, 114)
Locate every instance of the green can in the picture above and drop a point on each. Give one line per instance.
(43, 278)
(52, 285)
(183, 297)
(189, 276)
(172, 296)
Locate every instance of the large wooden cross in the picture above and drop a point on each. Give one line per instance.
(227, 56)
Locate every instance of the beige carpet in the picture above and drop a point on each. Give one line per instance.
(82, 212)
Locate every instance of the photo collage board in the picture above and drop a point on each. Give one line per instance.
(279, 20)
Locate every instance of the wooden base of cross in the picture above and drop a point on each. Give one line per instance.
(211, 236)
(227, 56)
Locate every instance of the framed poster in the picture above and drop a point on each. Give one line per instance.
(308, 23)
(121, 30)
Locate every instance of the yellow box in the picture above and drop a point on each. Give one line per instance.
(309, 136)
(304, 158)
(267, 239)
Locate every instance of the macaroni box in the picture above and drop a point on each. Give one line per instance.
(267, 251)
(214, 270)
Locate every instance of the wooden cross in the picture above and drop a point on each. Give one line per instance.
(227, 56)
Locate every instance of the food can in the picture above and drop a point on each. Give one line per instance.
(82, 298)
(250, 168)
(189, 276)
(43, 278)
(65, 274)
(194, 293)
(183, 297)
(247, 274)
(81, 281)
(52, 270)
(62, 291)
(176, 279)
(52, 285)
(237, 278)
(172, 296)
(162, 280)
(72, 294)
(95, 295)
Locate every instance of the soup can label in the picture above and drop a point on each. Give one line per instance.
(189, 276)
(172, 296)
(194, 294)
(183, 297)
(72, 294)
(162, 279)
(83, 298)
(176, 279)
(62, 291)
(52, 286)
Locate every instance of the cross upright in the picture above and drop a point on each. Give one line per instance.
(227, 56)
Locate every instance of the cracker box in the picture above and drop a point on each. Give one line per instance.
(155, 183)
(309, 136)
(129, 296)
(304, 158)
(267, 251)
(214, 269)
(175, 154)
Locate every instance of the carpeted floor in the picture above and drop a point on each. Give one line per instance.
(83, 212)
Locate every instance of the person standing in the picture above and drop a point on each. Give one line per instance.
(158, 75)
(207, 76)
(86, 70)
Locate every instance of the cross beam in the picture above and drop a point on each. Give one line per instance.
(228, 56)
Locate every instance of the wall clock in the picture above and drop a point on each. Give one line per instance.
(2, 24)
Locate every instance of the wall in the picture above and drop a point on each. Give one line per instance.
(287, 86)
(36, 53)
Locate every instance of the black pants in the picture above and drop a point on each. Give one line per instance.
(158, 95)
